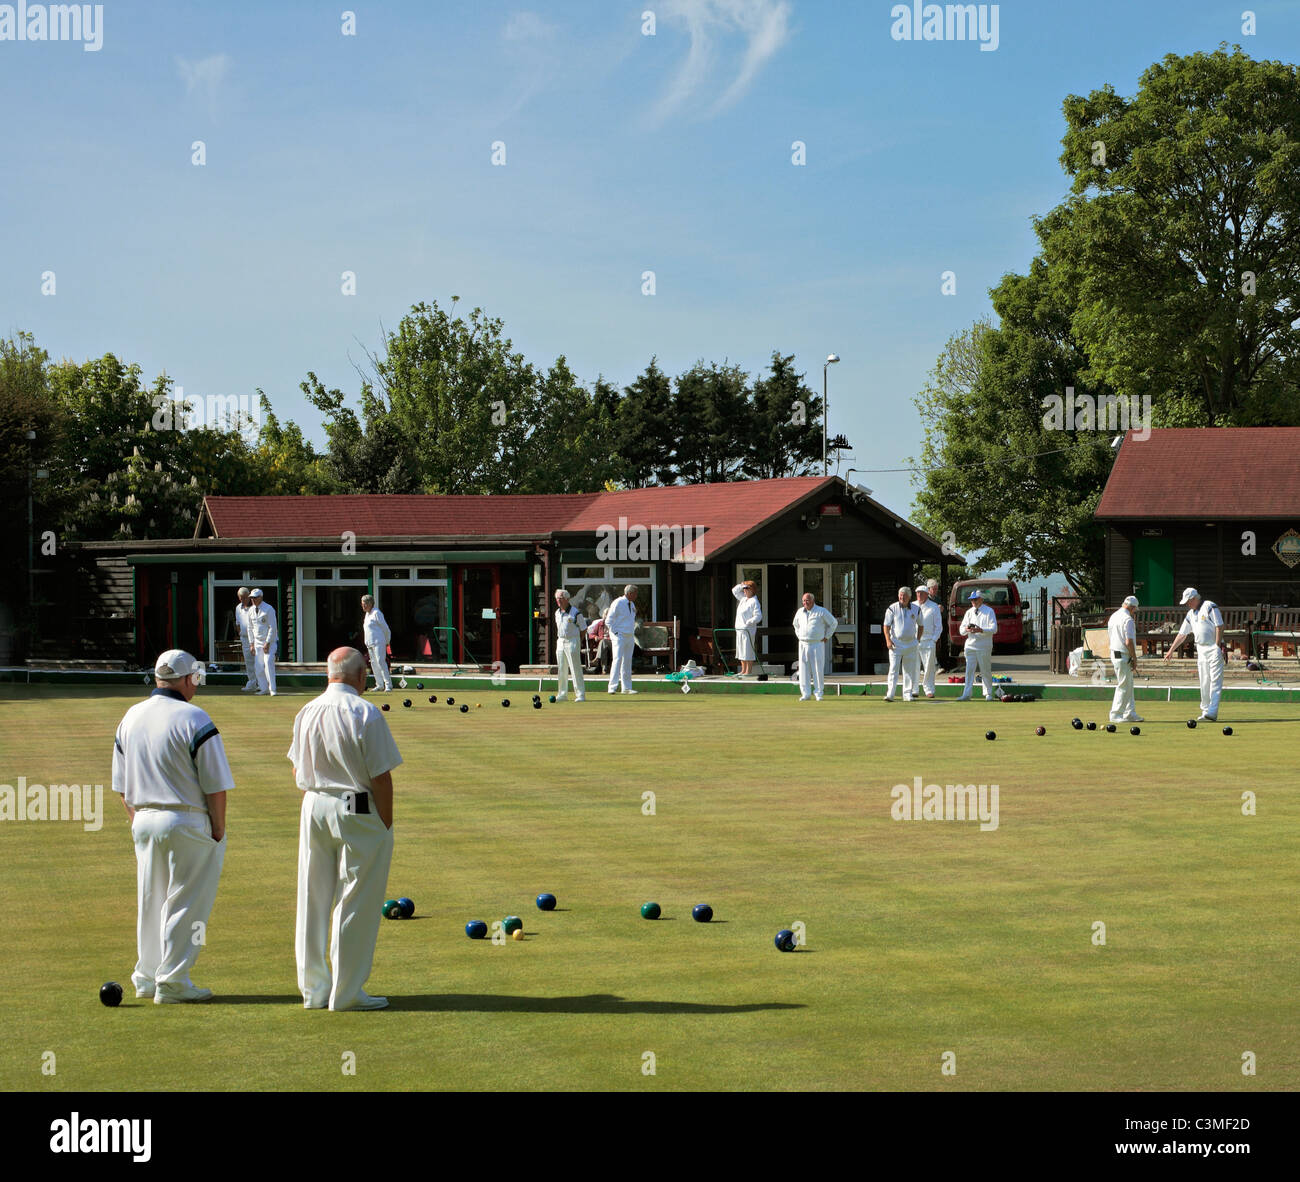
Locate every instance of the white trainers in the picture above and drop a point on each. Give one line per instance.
(171, 995)
(631, 691)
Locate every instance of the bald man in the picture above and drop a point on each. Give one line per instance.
(343, 757)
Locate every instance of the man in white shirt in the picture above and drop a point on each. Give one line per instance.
(978, 626)
(169, 765)
(246, 641)
(1122, 630)
(620, 619)
(378, 636)
(264, 631)
(929, 628)
(569, 625)
(814, 626)
(343, 756)
(901, 631)
(1204, 624)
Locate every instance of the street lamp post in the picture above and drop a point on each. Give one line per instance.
(31, 575)
(831, 360)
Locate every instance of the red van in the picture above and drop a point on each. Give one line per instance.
(1003, 597)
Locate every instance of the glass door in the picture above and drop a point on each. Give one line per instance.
(479, 637)
(835, 586)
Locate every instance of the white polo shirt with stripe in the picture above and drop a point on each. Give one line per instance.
(167, 753)
(341, 742)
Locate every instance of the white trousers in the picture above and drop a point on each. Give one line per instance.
(904, 659)
(379, 665)
(620, 666)
(343, 863)
(568, 659)
(983, 659)
(250, 664)
(812, 666)
(927, 656)
(1122, 707)
(1209, 669)
(178, 866)
(266, 669)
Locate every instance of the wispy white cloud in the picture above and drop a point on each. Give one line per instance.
(530, 41)
(204, 77)
(731, 39)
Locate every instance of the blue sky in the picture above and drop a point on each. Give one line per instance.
(624, 153)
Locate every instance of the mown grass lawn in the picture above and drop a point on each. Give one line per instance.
(923, 937)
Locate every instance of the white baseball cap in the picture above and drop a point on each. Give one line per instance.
(1131, 601)
(176, 663)
(256, 593)
(976, 594)
(924, 588)
(1190, 593)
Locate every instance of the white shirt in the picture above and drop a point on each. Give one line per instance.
(1121, 628)
(930, 620)
(241, 620)
(377, 631)
(983, 617)
(261, 624)
(902, 623)
(341, 741)
(811, 626)
(569, 623)
(168, 752)
(1202, 623)
(621, 617)
(749, 612)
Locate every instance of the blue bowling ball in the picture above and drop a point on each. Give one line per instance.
(476, 929)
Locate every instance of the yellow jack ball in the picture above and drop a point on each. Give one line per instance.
(517, 934)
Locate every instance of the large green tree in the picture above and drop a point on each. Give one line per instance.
(462, 399)
(1180, 243)
(784, 424)
(1169, 278)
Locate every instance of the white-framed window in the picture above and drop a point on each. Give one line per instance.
(592, 587)
(416, 603)
(329, 609)
(222, 626)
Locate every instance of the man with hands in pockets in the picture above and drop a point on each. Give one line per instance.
(343, 755)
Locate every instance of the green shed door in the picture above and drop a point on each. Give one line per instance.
(1153, 571)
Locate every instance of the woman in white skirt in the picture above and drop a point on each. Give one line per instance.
(749, 614)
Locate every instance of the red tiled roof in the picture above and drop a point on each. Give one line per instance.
(371, 516)
(727, 512)
(1205, 473)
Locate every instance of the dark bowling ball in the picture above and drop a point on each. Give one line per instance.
(110, 993)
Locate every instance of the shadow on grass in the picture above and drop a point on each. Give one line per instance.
(592, 1003)
(255, 999)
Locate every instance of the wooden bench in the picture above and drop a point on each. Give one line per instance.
(1280, 626)
(1157, 628)
(704, 650)
(1239, 626)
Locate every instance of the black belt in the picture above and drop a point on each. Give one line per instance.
(1116, 655)
(360, 800)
